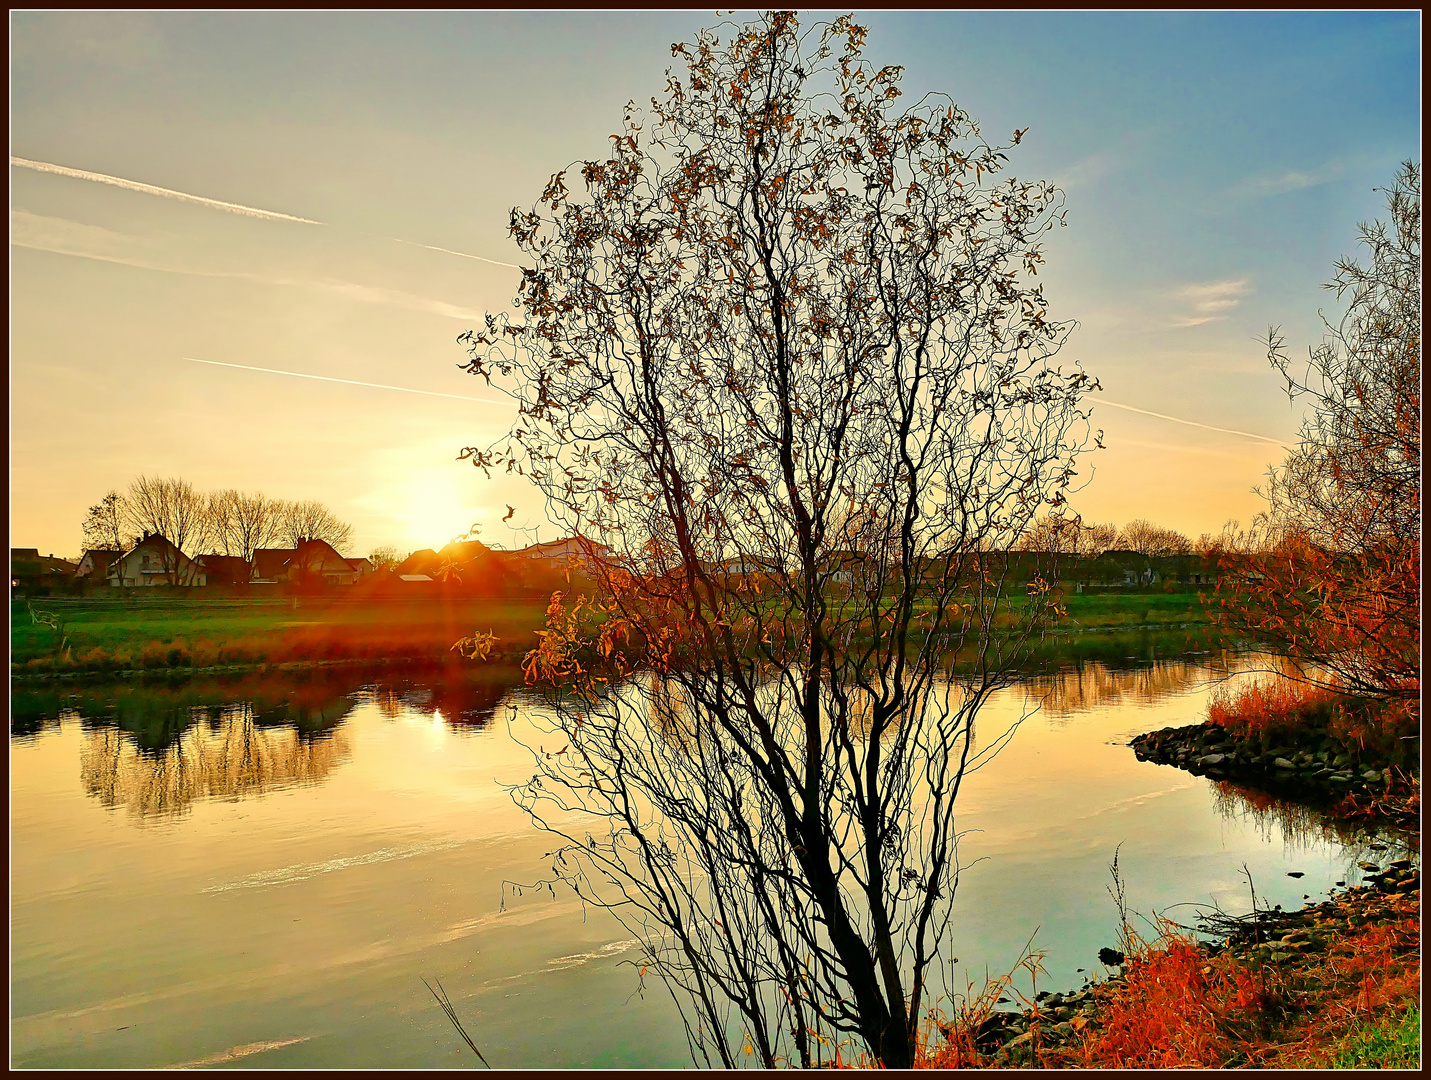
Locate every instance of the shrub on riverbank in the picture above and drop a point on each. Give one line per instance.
(1264, 707)
(1334, 985)
(1269, 709)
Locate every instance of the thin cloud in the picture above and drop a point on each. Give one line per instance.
(1086, 171)
(461, 254)
(166, 193)
(217, 204)
(350, 382)
(1211, 301)
(62, 237)
(1280, 183)
(1192, 423)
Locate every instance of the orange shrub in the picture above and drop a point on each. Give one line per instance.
(1262, 707)
(1163, 1016)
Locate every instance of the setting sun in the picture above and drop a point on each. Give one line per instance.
(438, 507)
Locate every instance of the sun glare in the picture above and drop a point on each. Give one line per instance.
(437, 510)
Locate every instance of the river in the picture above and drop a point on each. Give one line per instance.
(261, 871)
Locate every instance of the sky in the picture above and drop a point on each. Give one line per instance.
(327, 195)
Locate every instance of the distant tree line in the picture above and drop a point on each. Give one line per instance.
(1070, 535)
(227, 522)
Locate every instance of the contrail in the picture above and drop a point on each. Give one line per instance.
(1194, 423)
(350, 382)
(449, 251)
(150, 189)
(217, 204)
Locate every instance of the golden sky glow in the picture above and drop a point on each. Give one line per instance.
(328, 195)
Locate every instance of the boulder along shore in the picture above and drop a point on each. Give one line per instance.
(1306, 765)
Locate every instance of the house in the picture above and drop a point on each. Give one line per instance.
(29, 569)
(95, 563)
(224, 569)
(311, 562)
(154, 561)
(571, 550)
(361, 567)
(420, 562)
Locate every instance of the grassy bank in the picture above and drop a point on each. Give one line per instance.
(163, 631)
(1333, 985)
(102, 634)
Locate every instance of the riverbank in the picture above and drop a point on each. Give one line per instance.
(1305, 765)
(1334, 984)
(117, 637)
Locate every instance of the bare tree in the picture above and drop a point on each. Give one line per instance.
(245, 521)
(171, 508)
(106, 524)
(1094, 540)
(309, 519)
(1152, 540)
(792, 329)
(1068, 534)
(385, 557)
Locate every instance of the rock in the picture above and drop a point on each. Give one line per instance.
(1211, 759)
(1371, 774)
(1019, 1040)
(1283, 763)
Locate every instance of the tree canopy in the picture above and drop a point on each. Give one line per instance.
(785, 366)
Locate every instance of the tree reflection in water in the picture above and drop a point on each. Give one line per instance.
(155, 746)
(232, 756)
(466, 703)
(1093, 683)
(1304, 825)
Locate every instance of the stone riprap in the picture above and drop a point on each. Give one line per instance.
(1297, 761)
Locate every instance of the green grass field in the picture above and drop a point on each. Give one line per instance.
(184, 632)
(157, 631)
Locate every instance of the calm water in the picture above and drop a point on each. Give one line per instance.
(261, 873)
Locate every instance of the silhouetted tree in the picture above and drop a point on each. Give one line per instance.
(244, 521)
(1151, 540)
(106, 524)
(790, 325)
(171, 508)
(309, 519)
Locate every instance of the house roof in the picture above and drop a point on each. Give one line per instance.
(99, 559)
(30, 561)
(269, 563)
(462, 550)
(418, 562)
(568, 544)
(316, 555)
(227, 562)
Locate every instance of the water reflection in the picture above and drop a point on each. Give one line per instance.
(466, 700)
(1304, 824)
(1094, 683)
(233, 755)
(156, 746)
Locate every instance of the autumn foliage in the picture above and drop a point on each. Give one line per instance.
(1329, 576)
(1265, 706)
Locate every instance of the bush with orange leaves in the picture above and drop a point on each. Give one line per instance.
(1263, 707)
(1176, 1008)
